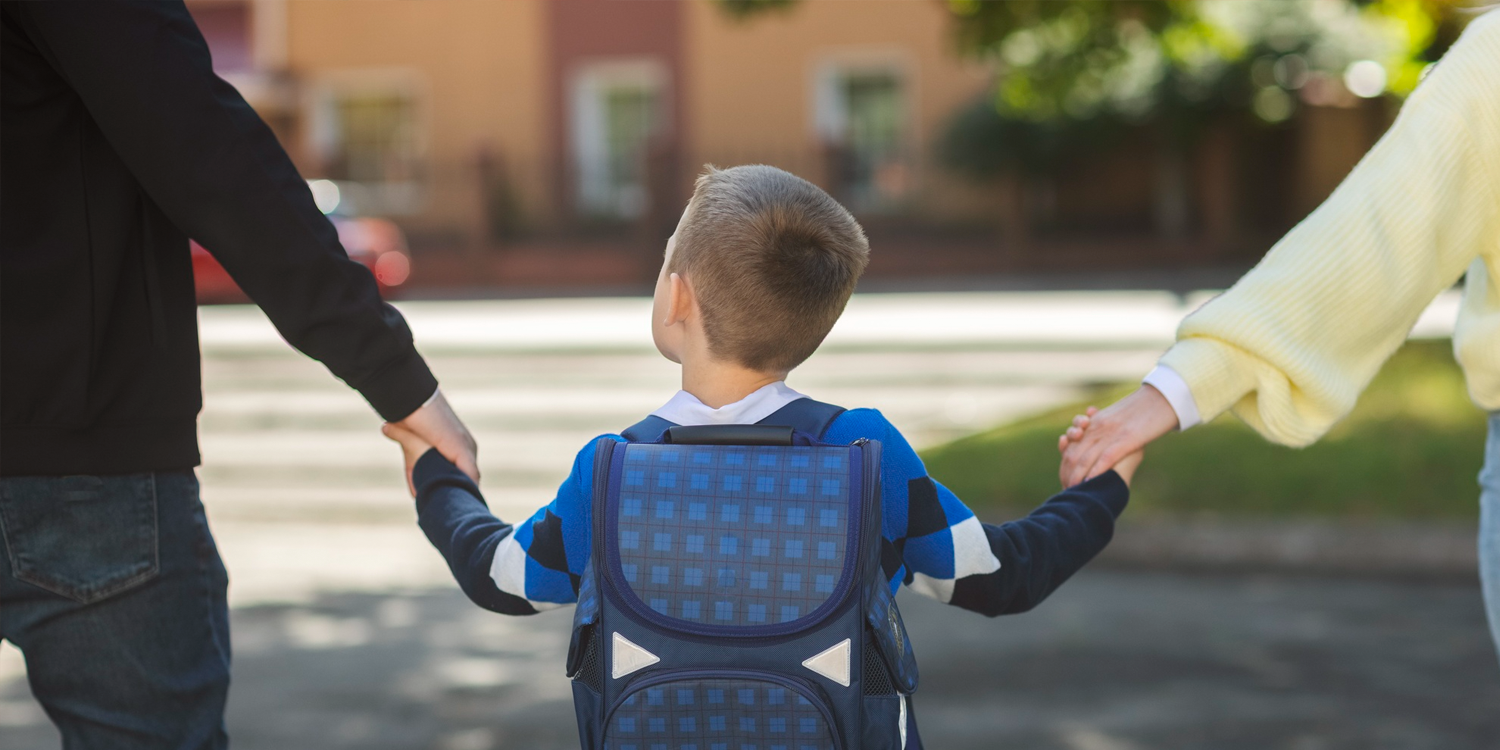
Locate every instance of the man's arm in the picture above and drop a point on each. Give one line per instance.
(201, 153)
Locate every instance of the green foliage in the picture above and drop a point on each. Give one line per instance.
(1070, 73)
(1411, 449)
(743, 9)
(1080, 59)
(980, 142)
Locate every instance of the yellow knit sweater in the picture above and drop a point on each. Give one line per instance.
(1292, 344)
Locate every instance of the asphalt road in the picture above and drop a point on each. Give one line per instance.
(348, 633)
(1114, 661)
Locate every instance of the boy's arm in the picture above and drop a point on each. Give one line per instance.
(1036, 554)
(512, 570)
(936, 545)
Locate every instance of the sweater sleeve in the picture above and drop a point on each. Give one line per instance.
(515, 570)
(1292, 344)
(935, 544)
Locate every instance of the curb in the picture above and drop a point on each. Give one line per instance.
(1384, 548)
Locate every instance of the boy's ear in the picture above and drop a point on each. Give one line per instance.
(680, 302)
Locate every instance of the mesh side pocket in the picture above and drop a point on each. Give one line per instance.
(876, 679)
(591, 671)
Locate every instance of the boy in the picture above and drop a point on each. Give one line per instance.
(759, 269)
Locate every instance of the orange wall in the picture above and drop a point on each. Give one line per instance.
(750, 83)
(747, 87)
(478, 65)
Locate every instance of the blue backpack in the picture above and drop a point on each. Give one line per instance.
(735, 598)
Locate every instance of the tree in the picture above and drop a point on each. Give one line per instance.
(1072, 77)
(1071, 72)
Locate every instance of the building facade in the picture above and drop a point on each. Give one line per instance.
(487, 128)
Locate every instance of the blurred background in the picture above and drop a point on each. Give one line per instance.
(1049, 187)
(540, 144)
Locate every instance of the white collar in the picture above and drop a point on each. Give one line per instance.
(685, 409)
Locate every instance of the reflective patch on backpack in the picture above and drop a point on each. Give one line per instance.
(832, 663)
(626, 657)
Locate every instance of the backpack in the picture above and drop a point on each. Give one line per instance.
(735, 598)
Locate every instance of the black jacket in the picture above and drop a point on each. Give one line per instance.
(117, 143)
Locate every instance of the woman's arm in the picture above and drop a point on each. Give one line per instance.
(1290, 347)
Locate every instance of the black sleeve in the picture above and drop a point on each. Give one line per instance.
(201, 153)
(459, 524)
(1041, 551)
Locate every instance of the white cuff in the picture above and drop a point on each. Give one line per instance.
(1172, 387)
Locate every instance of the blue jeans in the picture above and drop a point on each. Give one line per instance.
(113, 590)
(1489, 526)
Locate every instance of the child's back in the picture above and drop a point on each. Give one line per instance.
(767, 263)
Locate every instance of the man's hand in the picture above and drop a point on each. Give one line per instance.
(436, 424)
(412, 448)
(1100, 440)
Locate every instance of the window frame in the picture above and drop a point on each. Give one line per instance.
(589, 157)
(830, 108)
(323, 136)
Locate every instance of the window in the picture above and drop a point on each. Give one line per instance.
(366, 132)
(375, 140)
(617, 113)
(862, 114)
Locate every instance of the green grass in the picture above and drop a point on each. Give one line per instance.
(1410, 450)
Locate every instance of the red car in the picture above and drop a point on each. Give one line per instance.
(377, 243)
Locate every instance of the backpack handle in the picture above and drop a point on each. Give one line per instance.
(728, 434)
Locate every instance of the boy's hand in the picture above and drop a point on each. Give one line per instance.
(412, 448)
(1125, 467)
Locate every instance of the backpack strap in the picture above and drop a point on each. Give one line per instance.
(802, 415)
(805, 415)
(647, 430)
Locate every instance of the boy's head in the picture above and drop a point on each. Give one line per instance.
(768, 259)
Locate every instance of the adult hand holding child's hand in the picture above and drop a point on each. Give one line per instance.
(1114, 438)
(437, 425)
(412, 448)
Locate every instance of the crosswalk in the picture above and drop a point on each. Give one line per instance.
(306, 496)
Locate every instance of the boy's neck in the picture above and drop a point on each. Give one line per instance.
(717, 383)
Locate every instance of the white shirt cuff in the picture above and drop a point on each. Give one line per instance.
(1172, 387)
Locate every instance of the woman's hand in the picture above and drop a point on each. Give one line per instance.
(1100, 439)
